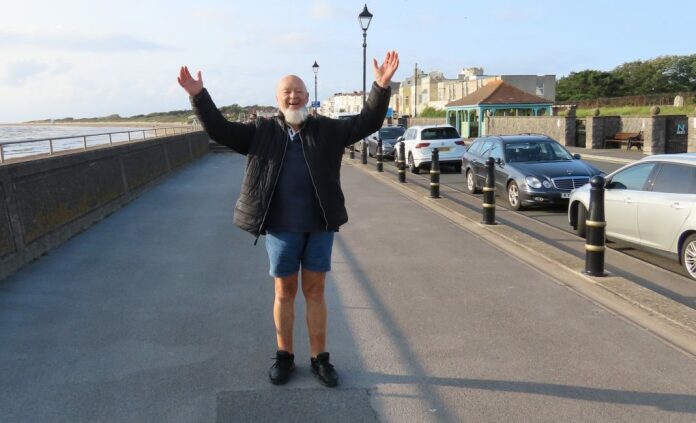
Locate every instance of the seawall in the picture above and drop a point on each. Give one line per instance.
(46, 201)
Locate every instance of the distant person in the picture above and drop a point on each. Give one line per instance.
(252, 118)
(291, 192)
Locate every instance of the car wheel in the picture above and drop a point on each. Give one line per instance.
(471, 182)
(412, 165)
(514, 196)
(688, 255)
(581, 229)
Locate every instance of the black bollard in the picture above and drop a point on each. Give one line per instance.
(435, 174)
(489, 193)
(352, 151)
(380, 157)
(401, 163)
(596, 228)
(363, 152)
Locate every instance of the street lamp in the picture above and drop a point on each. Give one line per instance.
(315, 68)
(365, 17)
(415, 93)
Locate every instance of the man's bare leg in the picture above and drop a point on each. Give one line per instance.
(313, 290)
(284, 310)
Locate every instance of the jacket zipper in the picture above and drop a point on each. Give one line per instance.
(316, 191)
(275, 184)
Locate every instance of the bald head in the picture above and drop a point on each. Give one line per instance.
(292, 97)
(291, 93)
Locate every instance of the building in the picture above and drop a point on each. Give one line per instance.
(353, 102)
(497, 98)
(434, 90)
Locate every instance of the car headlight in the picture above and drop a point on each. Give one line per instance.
(533, 181)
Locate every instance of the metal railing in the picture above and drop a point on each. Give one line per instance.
(49, 146)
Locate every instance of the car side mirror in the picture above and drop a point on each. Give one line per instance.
(576, 156)
(400, 139)
(499, 161)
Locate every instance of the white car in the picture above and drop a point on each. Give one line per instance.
(650, 204)
(419, 142)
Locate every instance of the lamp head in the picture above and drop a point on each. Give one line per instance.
(365, 17)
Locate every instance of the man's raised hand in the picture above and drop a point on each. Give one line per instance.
(385, 71)
(189, 83)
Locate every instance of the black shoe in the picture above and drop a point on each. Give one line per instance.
(280, 371)
(324, 371)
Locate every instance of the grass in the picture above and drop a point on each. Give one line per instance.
(637, 111)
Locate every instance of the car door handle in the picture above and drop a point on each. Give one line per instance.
(677, 206)
(628, 200)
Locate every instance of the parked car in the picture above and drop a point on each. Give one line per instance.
(529, 169)
(648, 204)
(388, 135)
(419, 142)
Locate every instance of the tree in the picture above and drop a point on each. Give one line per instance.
(588, 84)
(430, 112)
(681, 73)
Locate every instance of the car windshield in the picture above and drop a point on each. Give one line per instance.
(439, 133)
(535, 151)
(391, 133)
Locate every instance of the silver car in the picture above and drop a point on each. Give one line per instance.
(388, 135)
(649, 204)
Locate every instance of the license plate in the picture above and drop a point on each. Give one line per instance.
(441, 149)
(565, 195)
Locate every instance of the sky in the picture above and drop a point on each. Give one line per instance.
(79, 58)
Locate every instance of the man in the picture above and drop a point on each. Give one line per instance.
(291, 192)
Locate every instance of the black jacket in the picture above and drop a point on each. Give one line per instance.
(264, 143)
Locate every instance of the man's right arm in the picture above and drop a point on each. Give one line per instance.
(235, 135)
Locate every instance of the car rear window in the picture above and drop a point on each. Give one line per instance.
(391, 133)
(439, 134)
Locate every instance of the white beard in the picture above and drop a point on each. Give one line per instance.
(296, 117)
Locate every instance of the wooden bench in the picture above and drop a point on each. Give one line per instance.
(628, 138)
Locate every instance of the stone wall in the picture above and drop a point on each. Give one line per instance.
(661, 133)
(46, 201)
(562, 129)
(425, 121)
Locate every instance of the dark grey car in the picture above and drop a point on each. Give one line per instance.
(388, 135)
(529, 169)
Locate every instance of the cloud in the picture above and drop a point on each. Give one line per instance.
(518, 14)
(18, 73)
(322, 10)
(78, 42)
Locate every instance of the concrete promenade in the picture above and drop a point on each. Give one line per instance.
(162, 313)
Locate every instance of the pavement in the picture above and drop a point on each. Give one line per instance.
(162, 312)
(613, 155)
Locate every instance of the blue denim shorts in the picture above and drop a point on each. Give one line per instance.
(288, 250)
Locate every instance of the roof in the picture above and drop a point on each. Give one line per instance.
(498, 92)
(685, 158)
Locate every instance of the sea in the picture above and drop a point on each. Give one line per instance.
(71, 137)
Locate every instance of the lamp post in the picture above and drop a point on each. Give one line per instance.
(415, 94)
(315, 68)
(365, 17)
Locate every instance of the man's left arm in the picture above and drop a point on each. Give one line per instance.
(372, 115)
